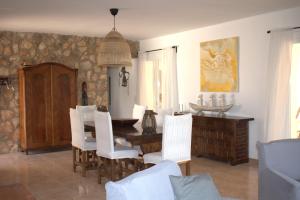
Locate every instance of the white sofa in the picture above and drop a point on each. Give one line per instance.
(150, 184)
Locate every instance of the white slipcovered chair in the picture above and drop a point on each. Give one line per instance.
(109, 154)
(87, 112)
(83, 150)
(161, 113)
(176, 142)
(137, 113)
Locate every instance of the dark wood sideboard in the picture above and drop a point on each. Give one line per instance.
(221, 138)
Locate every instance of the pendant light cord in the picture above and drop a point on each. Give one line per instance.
(114, 12)
(114, 22)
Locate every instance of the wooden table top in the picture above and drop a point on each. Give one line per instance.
(132, 134)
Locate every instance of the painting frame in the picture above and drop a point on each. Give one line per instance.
(219, 65)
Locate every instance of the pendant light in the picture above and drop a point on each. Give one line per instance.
(114, 49)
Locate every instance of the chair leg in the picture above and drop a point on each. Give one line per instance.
(74, 158)
(100, 165)
(136, 165)
(84, 163)
(112, 170)
(95, 158)
(188, 168)
(120, 168)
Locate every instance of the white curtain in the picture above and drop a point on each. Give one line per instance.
(169, 79)
(145, 82)
(295, 85)
(157, 79)
(277, 120)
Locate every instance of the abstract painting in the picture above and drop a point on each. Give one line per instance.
(219, 65)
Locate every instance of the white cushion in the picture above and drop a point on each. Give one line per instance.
(123, 142)
(120, 152)
(89, 137)
(149, 184)
(153, 158)
(89, 146)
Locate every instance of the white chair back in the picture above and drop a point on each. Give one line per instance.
(161, 113)
(77, 128)
(177, 137)
(87, 112)
(138, 112)
(104, 133)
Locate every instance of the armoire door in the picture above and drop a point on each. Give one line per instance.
(64, 97)
(38, 107)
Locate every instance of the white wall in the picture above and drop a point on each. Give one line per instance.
(253, 44)
(122, 98)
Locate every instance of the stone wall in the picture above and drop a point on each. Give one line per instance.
(34, 48)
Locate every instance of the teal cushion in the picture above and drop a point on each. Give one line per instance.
(198, 187)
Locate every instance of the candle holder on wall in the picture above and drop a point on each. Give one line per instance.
(124, 77)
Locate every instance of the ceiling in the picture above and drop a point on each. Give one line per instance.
(137, 19)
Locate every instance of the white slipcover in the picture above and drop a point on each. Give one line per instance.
(161, 113)
(176, 142)
(105, 142)
(137, 113)
(78, 134)
(87, 112)
(150, 184)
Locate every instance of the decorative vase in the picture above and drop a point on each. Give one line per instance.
(149, 122)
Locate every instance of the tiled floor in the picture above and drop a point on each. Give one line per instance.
(50, 176)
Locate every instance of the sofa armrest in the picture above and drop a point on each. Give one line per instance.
(113, 192)
(277, 186)
(150, 184)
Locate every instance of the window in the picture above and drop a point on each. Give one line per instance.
(153, 83)
(158, 79)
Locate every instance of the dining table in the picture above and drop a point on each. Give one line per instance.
(123, 127)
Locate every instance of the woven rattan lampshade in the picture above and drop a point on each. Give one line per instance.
(114, 50)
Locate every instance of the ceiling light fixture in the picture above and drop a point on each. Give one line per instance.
(114, 49)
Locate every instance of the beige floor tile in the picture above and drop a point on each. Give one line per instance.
(50, 176)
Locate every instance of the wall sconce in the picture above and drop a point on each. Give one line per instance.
(124, 77)
(6, 82)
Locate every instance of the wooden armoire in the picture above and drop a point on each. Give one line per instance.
(47, 92)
